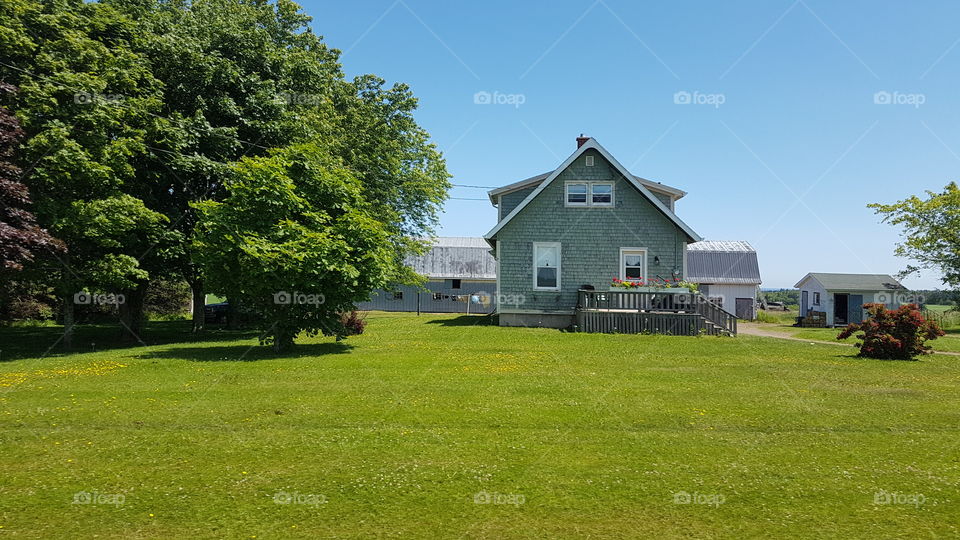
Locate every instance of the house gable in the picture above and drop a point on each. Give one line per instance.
(614, 169)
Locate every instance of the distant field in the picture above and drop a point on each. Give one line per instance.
(441, 426)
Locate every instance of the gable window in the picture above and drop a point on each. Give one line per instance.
(576, 194)
(589, 193)
(546, 266)
(589, 161)
(601, 194)
(633, 264)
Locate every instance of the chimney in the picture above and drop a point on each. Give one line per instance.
(581, 139)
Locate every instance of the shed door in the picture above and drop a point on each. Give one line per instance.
(804, 299)
(744, 308)
(855, 308)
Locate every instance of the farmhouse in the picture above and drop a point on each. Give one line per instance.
(461, 278)
(841, 296)
(728, 274)
(564, 235)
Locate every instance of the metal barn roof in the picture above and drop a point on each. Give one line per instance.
(720, 262)
(456, 257)
(854, 282)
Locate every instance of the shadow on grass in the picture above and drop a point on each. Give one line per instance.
(246, 352)
(467, 320)
(18, 342)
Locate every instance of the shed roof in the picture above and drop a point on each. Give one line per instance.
(456, 257)
(853, 282)
(723, 262)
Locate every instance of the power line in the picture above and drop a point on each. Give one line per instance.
(476, 187)
(465, 199)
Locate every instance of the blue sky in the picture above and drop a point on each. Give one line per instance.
(787, 139)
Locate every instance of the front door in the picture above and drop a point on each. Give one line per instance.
(855, 308)
(744, 308)
(840, 313)
(804, 303)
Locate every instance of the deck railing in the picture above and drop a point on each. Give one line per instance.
(619, 304)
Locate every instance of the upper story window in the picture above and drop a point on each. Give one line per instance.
(546, 266)
(589, 161)
(589, 194)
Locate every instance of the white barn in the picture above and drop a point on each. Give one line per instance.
(842, 296)
(728, 274)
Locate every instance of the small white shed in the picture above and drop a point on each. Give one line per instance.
(728, 274)
(842, 296)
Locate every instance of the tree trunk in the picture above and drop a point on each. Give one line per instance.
(131, 313)
(69, 320)
(199, 303)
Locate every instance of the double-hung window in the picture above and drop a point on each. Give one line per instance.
(633, 264)
(589, 194)
(546, 266)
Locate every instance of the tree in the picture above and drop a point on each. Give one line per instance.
(931, 231)
(21, 239)
(893, 334)
(295, 242)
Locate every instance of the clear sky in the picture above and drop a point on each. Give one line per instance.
(796, 113)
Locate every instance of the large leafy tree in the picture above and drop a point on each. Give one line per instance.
(87, 103)
(931, 231)
(296, 242)
(21, 238)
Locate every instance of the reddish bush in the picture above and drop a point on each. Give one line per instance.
(893, 334)
(353, 323)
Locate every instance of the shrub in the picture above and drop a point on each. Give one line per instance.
(353, 323)
(893, 334)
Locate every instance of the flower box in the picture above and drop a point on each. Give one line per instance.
(659, 290)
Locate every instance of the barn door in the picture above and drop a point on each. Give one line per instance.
(855, 308)
(744, 308)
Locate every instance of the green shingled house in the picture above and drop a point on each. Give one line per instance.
(562, 236)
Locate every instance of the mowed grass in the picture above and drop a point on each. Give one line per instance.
(395, 432)
(948, 343)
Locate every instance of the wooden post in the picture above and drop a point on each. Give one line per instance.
(418, 303)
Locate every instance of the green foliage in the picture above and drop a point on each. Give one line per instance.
(931, 231)
(295, 241)
(789, 297)
(893, 334)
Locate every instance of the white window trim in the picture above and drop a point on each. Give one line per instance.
(624, 251)
(589, 202)
(537, 245)
(589, 161)
(590, 194)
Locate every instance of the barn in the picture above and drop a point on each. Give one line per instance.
(461, 278)
(728, 274)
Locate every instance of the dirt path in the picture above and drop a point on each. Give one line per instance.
(762, 330)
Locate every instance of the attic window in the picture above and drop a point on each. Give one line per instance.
(589, 161)
(589, 194)
(576, 194)
(601, 194)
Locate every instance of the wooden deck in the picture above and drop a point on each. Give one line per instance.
(633, 312)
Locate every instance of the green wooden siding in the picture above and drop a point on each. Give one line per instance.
(590, 239)
(509, 201)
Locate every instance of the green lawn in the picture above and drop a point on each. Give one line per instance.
(949, 342)
(395, 432)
